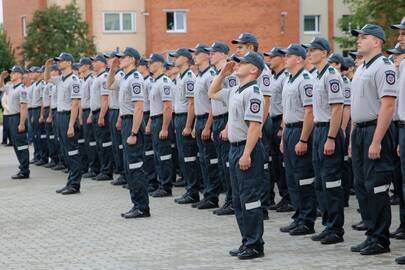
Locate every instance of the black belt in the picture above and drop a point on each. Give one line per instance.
(238, 143)
(180, 114)
(366, 124)
(14, 114)
(146, 113)
(156, 116)
(30, 109)
(87, 109)
(64, 112)
(293, 125)
(113, 109)
(53, 110)
(401, 124)
(127, 116)
(95, 111)
(220, 116)
(46, 107)
(277, 117)
(202, 116)
(321, 124)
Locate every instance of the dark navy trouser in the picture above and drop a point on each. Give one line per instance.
(116, 138)
(149, 155)
(90, 143)
(104, 143)
(20, 143)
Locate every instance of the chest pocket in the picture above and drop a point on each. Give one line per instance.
(293, 101)
(368, 87)
(320, 95)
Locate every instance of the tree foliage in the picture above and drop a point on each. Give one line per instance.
(6, 51)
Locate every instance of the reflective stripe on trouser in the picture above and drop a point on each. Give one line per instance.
(116, 142)
(187, 154)
(52, 140)
(267, 191)
(71, 150)
(133, 163)
(328, 179)
(90, 143)
(20, 143)
(300, 178)
(33, 114)
(43, 142)
(173, 145)
(371, 180)
(277, 172)
(222, 148)
(104, 144)
(163, 155)
(208, 162)
(149, 156)
(246, 193)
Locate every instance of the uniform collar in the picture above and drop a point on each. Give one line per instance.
(312, 70)
(320, 74)
(129, 73)
(147, 77)
(184, 73)
(278, 74)
(372, 60)
(101, 73)
(67, 76)
(292, 79)
(201, 73)
(17, 85)
(38, 82)
(160, 76)
(88, 76)
(240, 89)
(118, 71)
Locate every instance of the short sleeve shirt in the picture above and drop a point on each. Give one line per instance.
(131, 90)
(221, 106)
(202, 104)
(86, 85)
(347, 91)
(184, 90)
(401, 94)
(37, 89)
(17, 95)
(68, 88)
(264, 81)
(276, 89)
(148, 80)
(53, 95)
(161, 91)
(97, 89)
(46, 96)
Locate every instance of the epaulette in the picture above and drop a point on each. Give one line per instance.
(331, 70)
(386, 61)
(256, 89)
(306, 76)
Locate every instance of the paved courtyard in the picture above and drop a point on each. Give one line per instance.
(40, 229)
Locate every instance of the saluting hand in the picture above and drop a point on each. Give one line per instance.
(228, 68)
(374, 151)
(4, 74)
(49, 62)
(115, 63)
(245, 162)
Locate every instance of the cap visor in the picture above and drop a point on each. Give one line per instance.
(237, 41)
(173, 54)
(397, 26)
(57, 59)
(119, 55)
(192, 50)
(356, 32)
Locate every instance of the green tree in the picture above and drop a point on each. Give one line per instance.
(6, 51)
(54, 30)
(381, 12)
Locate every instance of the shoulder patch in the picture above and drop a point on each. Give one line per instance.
(255, 105)
(386, 61)
(232, 81)
(136, 88)
(165, 79)
(266, 80)
(23, 94)
(331, 70)
(76, 88)
(334, 86)
(190, 86)
(390, 77)
(256, 89)
(212, 72)
(166, 90)
(347, 93)
(308, 89)
(306, 76)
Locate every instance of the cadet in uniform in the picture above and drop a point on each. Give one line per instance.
(328, 143)
(183, 125)
(297, 113)
(99, 115)
(401, 112)
(18, 107)
(373, 102)
(45, 112)
(131, 99)
(68, 103)
(219, 54)
(149, 155)
(274, 129)
(203, 129)
(246, 153)
(161, 99)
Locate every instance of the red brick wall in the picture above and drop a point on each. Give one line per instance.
(224, 20)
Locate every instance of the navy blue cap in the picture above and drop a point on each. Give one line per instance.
(349, 62)
(200, 48)
(34, 69)
(370, 29)
(99, 57)
(129, 52)
(65, 57)
(353, 55)
(55, 67)
(253, 58)
(75, 66)
(245, 38)
(275, 52)
(155, 57)
(169, 65)
(318, 43)
(336, 58)
(42, 69)
(181, 52)
(396, 50)
(16, 69)
(296, 49)
(85, 61)
(109, 54)
(401, 25)
(143, 62)
(219, 46)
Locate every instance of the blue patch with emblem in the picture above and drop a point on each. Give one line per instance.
(331, 70)
(23, 94)
(334, 86)
(232, 82)
(266, 80)
(76, 88)
(347, 93)
(164, 79)
(390, 77)
(308, 89)
(255, 105)
(166, 90)
(190, 86)
(136, 88)
(306, 76)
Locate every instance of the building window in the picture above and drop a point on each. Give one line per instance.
(311, 24)
(176, 21)
(119, 22)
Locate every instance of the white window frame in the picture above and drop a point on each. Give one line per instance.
(317, 24)
(184, 11)
(133, 22)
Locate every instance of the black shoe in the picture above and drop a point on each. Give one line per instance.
(398, 233)
(119, 181)
(273, 205)
(318, 213)
(181, 197)
(360, 246)
(250, 253)
(102, 177)
(320, 236)
(196, 204)
(332, 238)
(58, 167)
(285, 208)
(207, 204)
(235, 252)
(49, 165)
(89, 175)
(41, 163)
(180, 183)
(400, 260)
(61, 189)
(66, 170)
(225, 210)
(187, 199)
(394, 200)
(160, 193)
(125, 186)
(352, 192)
(265, 214)
(152, 189)
(136, 213)
(20, 176)
(70, 191)
(33, 161)
(288, 228)
(302, 230)
(130, 210)
(374, 248)
(359, 226)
